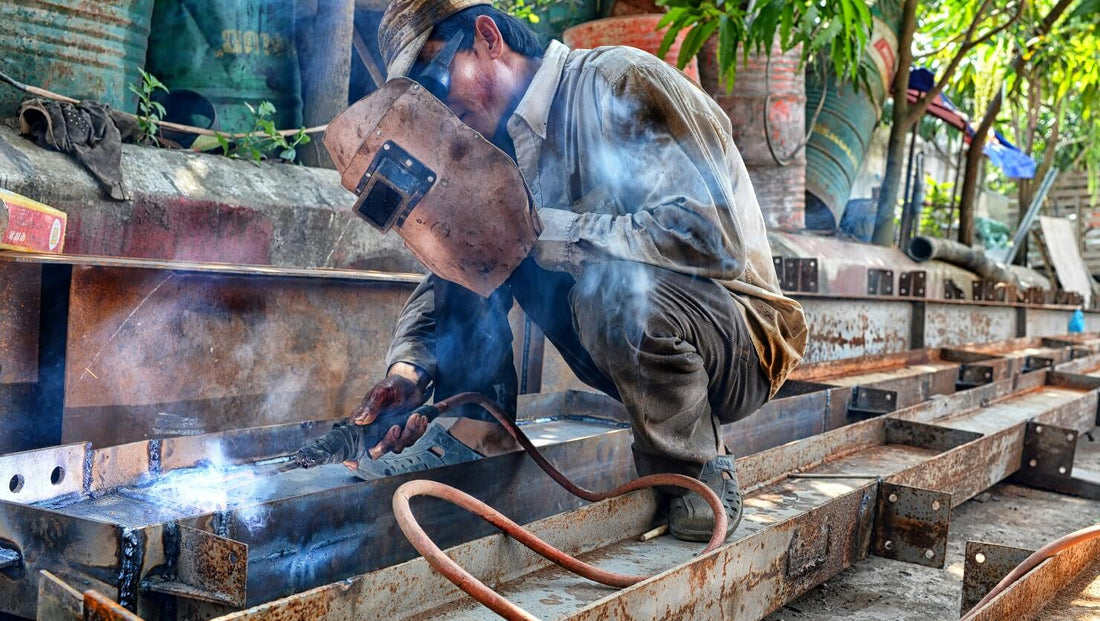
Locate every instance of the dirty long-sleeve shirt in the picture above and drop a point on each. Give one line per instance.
(627, 159)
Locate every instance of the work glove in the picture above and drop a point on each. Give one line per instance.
(386, 403)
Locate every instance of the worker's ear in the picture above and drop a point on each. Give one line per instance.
(488, 37)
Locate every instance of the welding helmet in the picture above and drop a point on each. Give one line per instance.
(457, 200)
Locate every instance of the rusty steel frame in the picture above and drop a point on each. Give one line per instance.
(810, 410)
(959, 444)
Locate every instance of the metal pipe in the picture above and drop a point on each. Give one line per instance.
(928, 248)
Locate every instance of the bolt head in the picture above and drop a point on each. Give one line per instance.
(892, 498)
(935, 505)
(1061, 469)
(888, 545)
(979, 558)
(1038, 429)
(1069, 437)
(929, 554)
(1033, 463)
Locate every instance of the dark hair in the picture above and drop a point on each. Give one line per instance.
(516, 35)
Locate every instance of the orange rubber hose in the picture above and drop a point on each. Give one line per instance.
(1031, 562)
(477, 589)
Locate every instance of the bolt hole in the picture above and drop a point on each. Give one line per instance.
(979, 558)
(15, 484)
(57, 475)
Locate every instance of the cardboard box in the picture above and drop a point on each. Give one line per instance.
(30, 226)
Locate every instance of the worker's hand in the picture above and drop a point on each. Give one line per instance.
(398, 393)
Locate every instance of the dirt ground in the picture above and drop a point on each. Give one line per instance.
(877, 589)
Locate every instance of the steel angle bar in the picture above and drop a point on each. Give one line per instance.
(985, 564)
(200, 565)
(1031, 593)
(57, 601)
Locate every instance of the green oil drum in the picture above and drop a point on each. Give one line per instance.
(232, 52)
(82, 49)
(842, 133)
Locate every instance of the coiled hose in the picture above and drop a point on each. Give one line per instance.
(477, 589)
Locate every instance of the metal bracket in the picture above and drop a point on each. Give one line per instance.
(58, 601)
(1034, 363)
(807, 551)
(951, 290)
(1048, 454)
(985, 565)
(982, 289)
(912, 283)
(880, 282)
(870, 402)
(1035, 295)
(926, 436)
(208, 568)
(972, 375)
(797, 274)
(911, 525)
(1079, 352)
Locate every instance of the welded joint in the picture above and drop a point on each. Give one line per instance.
(985, 564)
(201, 566)
(973, 375)
(871, 402)
(911, 524)
(1047, 455)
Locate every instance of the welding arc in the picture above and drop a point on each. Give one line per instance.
(1049, 550)
(477, 589)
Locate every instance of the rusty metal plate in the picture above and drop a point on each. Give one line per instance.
(20, 304)
(971, 375)
(207, 567)
(869, 402)
(1048, 454)
(911, 525)
(99, 607)
(926, 436)
(57, 601)
(154, 353)
(984, 566)
(34, 476)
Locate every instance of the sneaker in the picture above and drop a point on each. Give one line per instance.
(690, 517)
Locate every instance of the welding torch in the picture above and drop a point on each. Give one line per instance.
(350, 442)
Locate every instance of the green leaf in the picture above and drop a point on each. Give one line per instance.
(266, 109)
(287, 154)
(694, 41)
(207, 143)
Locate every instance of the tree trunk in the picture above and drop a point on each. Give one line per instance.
(895, 146)
(974, 153)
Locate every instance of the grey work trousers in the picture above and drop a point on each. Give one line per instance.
(673, 348)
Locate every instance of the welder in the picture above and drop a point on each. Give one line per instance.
(634, 241)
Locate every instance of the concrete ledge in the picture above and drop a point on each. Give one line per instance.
(198, 207)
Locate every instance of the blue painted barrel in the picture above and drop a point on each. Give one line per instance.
(86, 50)
(842, 133)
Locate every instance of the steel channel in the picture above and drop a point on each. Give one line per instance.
(1031, 593)
(725, 585)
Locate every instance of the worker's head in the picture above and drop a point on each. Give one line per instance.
(470, 55)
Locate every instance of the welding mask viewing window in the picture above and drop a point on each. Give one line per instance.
(458, 201)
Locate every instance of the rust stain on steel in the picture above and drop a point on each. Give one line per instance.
(984, 566)
(733, 583)
(99, 607)
(966, 471)
(161, 353)
(1029, 595)
(853, 328)
(20, 302)
(949, 324)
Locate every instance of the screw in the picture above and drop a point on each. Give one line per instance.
(888, 545)
(893, 498)
(1033, 463)
(979, 558)
(935, 505)
(929, 554)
